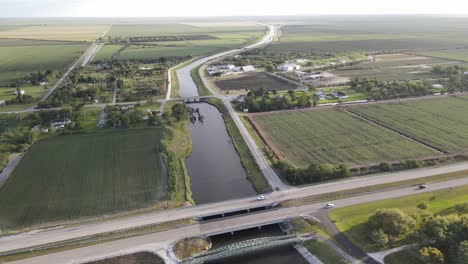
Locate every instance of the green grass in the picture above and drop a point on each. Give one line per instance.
(402, 257)
(106, 52)
(325, 253)
(352, 220)
(62, 178)
(440, 122)
(64, 32)
(202, 90)
(35, 91)
(331, 136)
(19, 61)
(458, 54)
(345, 34)
(255, 81)
(254, 174)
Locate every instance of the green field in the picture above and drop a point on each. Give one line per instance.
(325, 253)
(414, 68)
(66, 32)
(440, 122)
(352, 220)
(255, 80)
(331, 136)
(19, 61)
(349, 34)
(106, 52)
(457, 54)
(92, 175)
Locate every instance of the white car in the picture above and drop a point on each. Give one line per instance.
(329, 206)
(261, 197)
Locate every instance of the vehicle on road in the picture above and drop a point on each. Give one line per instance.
(261, 197)
(422, 186)
(328, 206)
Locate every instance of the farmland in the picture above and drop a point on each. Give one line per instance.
(197, 40)
(396, 68)
(18, 61)
(440, 122)
(331, 136)
(350, 34)
(457, 54)
(54, 182)
(55, 32)
(255, 81)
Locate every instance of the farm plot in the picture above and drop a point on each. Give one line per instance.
(440, 122)
(348, 34)
(331, 136)
(55, 32)
(398, 68)
(456, 54)
(255, 81)
(68, 177)
(19, 61)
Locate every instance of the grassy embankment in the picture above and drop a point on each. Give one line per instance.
(202, 90)
(253, 172)
(352, 220)
(178, 147)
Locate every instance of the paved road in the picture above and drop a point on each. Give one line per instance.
(164, 239)
(49, 236)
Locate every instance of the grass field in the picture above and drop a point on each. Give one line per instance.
(55, 32)
(349, 34)
(409, 68)
(19, 61)
(325, 253)
(441, 122)
(103, 173)
(458, 54)
(331, 136)
(106, 52)
(255, 80)
(352, 220)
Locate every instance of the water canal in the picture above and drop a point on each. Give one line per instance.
(215, 169)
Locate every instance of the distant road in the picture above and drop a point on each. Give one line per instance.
(162, 240)
(37, 238)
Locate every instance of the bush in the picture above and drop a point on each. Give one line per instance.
(423, 206)
(385, 166)
(461, 208)
(379, 237)
(393, 222)
(431, 255)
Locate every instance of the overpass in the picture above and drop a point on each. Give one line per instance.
(243, 247)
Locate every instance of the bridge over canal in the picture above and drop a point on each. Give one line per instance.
(244, 247)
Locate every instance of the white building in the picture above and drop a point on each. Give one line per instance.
(60, 124)
(2, 103)
(21, 92)
(288, 67)
(314, 76)
(438, 86)
(247, 68)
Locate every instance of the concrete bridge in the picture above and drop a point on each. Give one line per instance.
(244, 247)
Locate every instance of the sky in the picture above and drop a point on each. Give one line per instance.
(180, 8)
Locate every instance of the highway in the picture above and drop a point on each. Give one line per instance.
(38, 237)
(159, 242)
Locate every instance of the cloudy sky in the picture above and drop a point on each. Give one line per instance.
(157, 8)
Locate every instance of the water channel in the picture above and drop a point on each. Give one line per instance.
(215, 169)
(280, 255)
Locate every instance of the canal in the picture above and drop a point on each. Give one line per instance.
(281, 255)
(215, 169)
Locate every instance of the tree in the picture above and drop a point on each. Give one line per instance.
(179, 111)
(431, 255)
(461, 208)
(135, 115)
(379, 237)
(462, 252)
(423, 206)
(393, 222)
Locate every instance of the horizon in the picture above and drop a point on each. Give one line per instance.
(211, 8)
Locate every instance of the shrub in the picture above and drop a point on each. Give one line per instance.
(393, 222)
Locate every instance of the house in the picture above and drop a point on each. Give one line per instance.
(241, 98)
(247, 68)
(21, 92)
(437, 86)
(286, 67)
(42, 83)
(465, 73)
(2, 103)
(60, 124)
(321, 95)
(314, 76)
